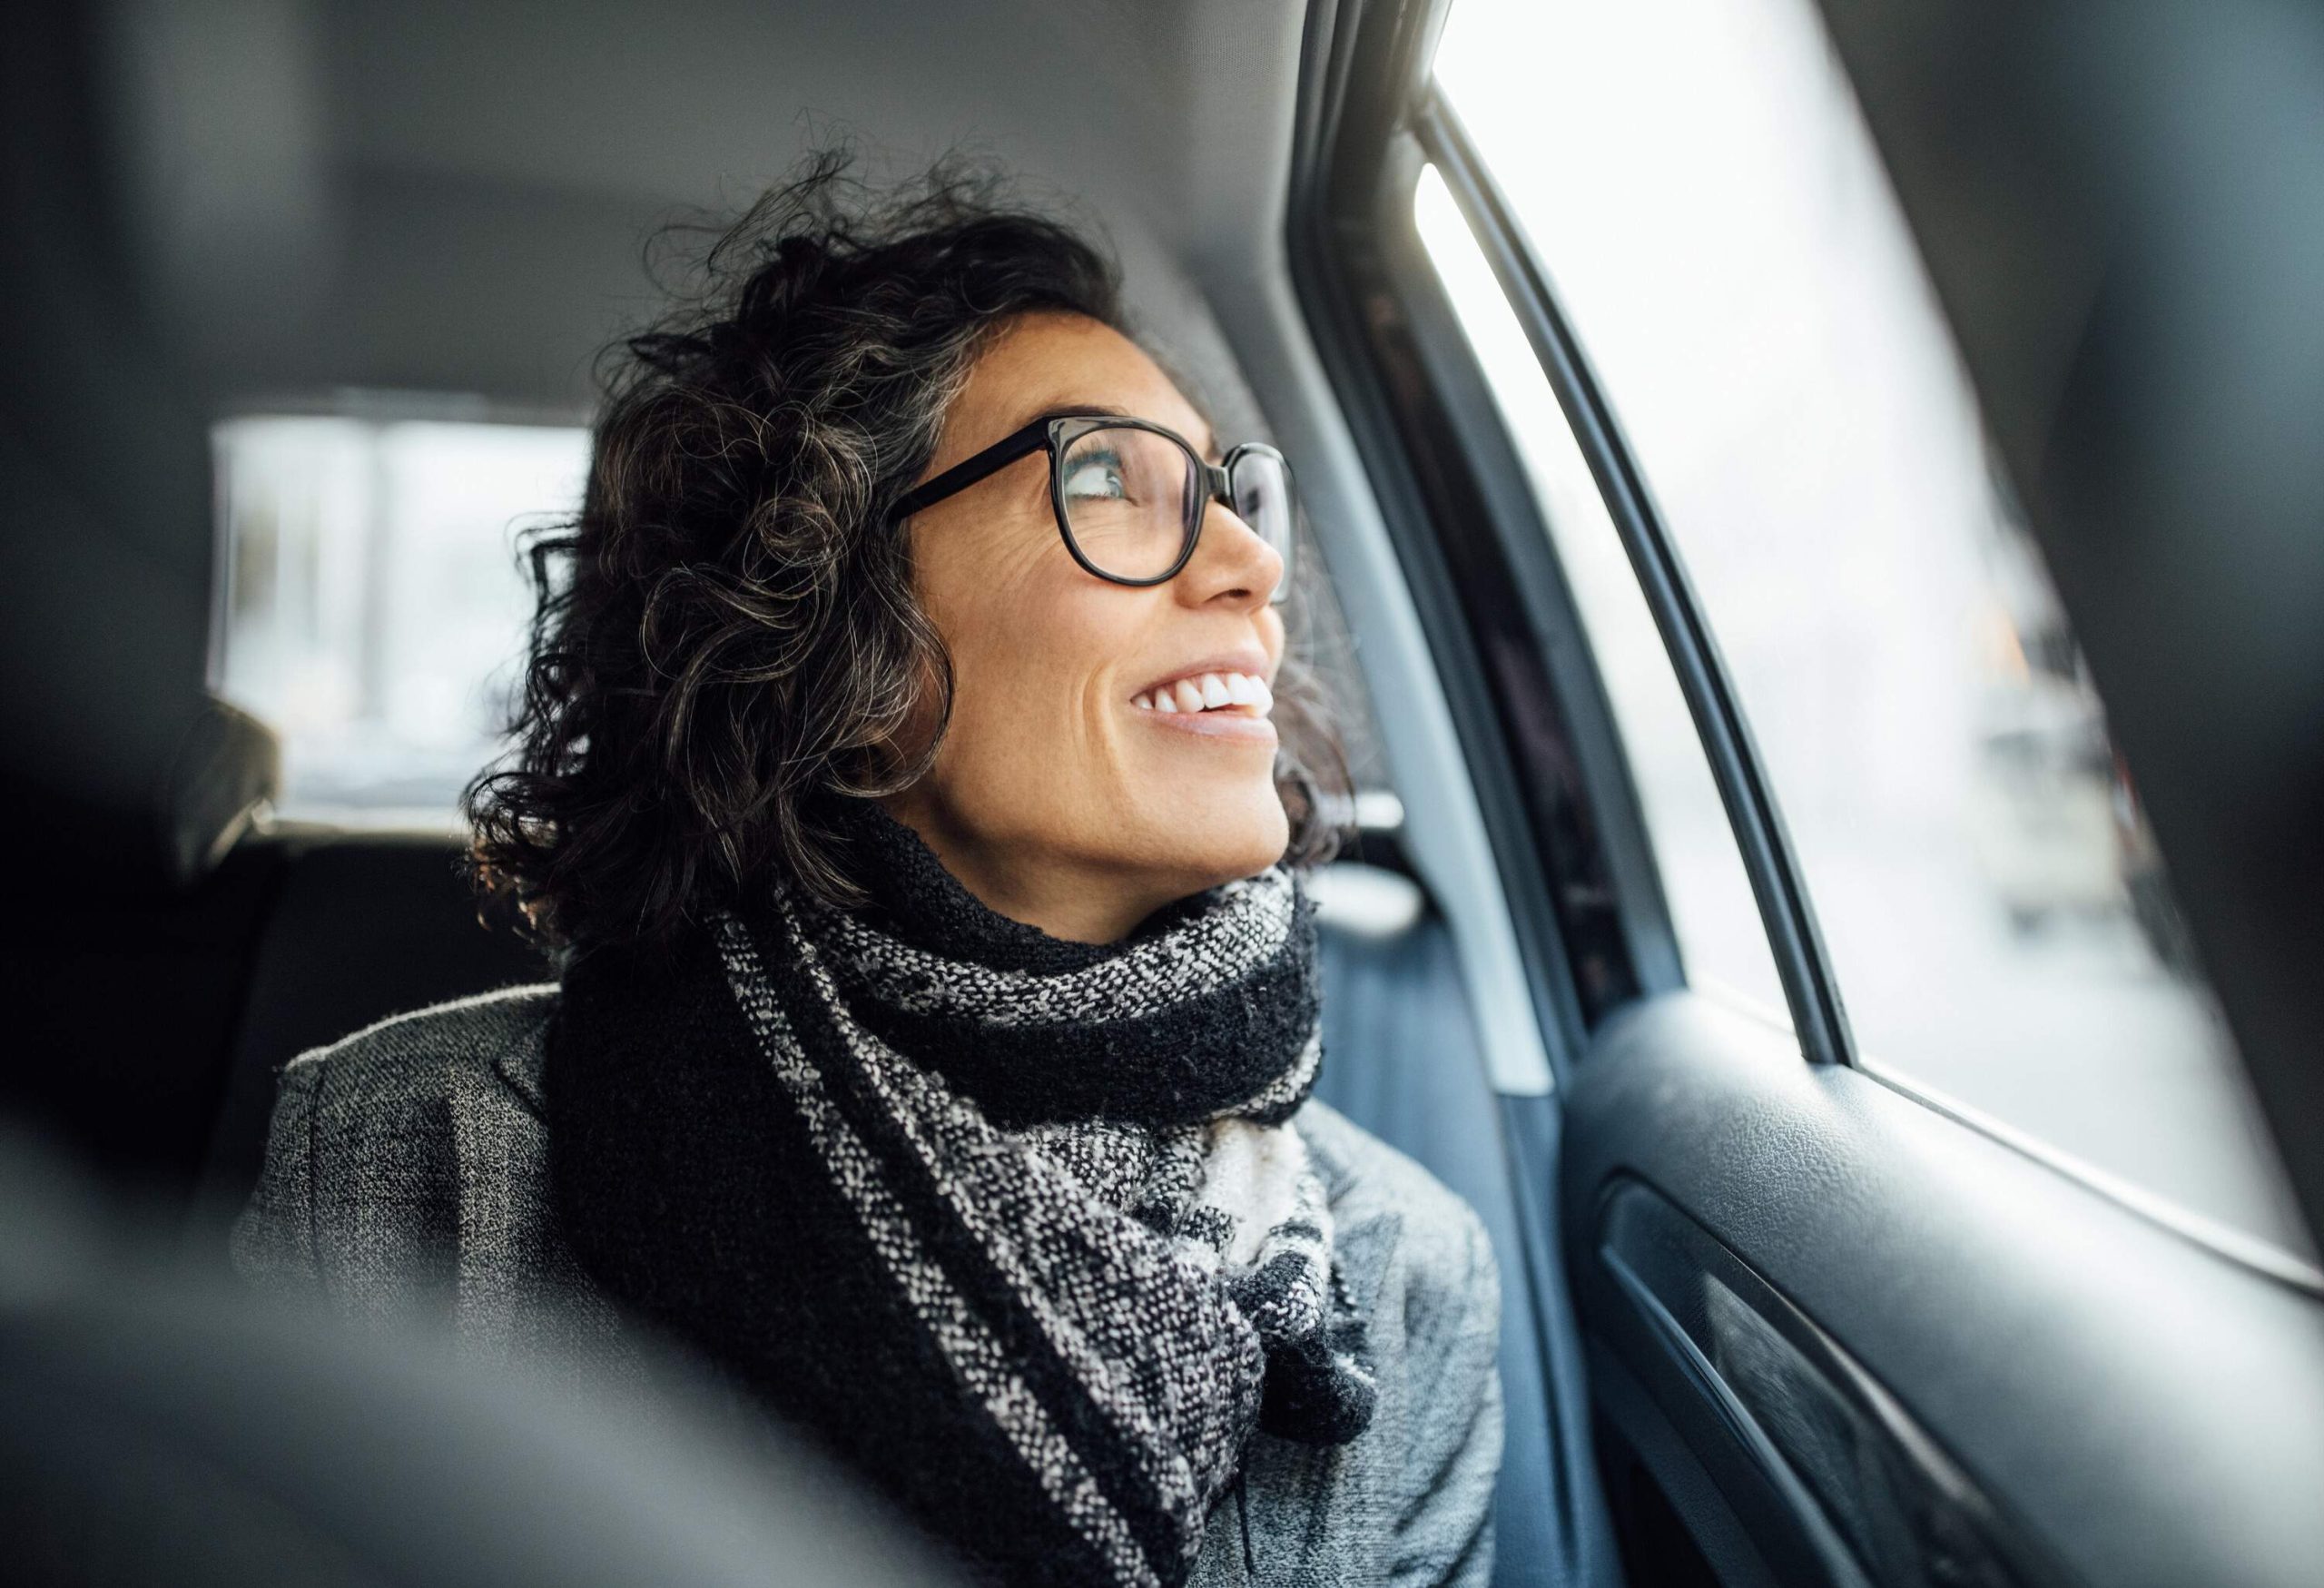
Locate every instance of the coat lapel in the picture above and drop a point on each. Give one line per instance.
(520, 1287)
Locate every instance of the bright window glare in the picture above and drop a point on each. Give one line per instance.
(1699, 184)
(1704, 884)
(373, 605)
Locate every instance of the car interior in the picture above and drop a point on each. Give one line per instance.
(1827, 1258)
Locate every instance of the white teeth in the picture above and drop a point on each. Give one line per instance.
(1210, 692)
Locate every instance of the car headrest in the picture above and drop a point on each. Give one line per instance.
(226, 773)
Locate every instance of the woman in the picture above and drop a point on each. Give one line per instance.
(899, 784)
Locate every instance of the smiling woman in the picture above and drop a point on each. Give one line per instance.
(1054, 796)
(722, 650)
(917, 785)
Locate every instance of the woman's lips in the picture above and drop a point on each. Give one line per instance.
(1240, 725)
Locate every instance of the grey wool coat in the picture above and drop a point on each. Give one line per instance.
(406, 1182)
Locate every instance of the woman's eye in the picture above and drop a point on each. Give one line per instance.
(1097, 475)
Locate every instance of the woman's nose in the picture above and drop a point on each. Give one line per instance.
(1231, 562)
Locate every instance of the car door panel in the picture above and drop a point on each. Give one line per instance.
(1945, 1361)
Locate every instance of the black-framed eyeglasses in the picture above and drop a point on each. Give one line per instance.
(1130, 496)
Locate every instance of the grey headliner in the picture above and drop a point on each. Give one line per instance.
(453, 197)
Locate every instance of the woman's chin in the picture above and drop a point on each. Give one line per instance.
(1221, 848)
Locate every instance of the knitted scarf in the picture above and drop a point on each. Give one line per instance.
(1019, 1227)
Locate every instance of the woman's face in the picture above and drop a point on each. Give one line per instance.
(1060, 795)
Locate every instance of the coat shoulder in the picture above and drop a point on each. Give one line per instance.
(388, 1145)
(413, 1063)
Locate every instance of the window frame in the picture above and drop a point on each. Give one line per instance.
(1561, 841)
(1778, 882)
(1557, 789)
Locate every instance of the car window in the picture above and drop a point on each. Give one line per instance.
(1697, 180)
(372, 604)
(1717, 919)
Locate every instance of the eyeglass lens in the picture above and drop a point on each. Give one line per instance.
(1124, 493)
(1130, 496)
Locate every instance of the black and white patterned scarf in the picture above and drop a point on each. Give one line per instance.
(1018, 1225)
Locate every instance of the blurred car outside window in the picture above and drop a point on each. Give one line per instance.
(372, 603)
(1697, 179)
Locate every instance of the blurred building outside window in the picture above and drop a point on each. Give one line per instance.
(372, 604)
(1697, 181)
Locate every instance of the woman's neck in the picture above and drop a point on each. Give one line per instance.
(1057, 894)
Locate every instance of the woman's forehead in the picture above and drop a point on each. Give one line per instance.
(1048, 363)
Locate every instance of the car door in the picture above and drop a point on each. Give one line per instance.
(1932, 1149)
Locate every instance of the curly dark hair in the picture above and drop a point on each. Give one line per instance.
(726, 638)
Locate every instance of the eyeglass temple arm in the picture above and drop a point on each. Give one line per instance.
(964, 474)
